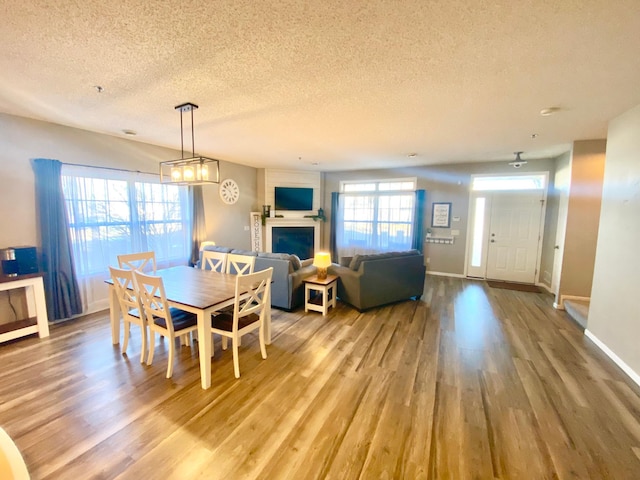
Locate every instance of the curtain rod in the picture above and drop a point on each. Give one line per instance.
(109, 168)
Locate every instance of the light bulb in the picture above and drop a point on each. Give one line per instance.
(188, 173)
(176, 174)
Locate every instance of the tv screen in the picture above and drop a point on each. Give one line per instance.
(289, 198)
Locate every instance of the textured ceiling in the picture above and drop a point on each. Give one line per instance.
(344, 84)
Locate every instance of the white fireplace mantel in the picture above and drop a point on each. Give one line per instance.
(291, 222)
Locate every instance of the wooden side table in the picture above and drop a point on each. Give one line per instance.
(326, 296)
(38, 321)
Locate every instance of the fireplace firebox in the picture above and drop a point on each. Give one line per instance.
(294, 240)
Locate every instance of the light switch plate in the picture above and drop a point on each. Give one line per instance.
(455, 233)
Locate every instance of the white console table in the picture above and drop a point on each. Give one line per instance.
(38, 322)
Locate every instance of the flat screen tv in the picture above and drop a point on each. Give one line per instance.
(290, 198)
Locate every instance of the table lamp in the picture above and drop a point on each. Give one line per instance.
(321, 261)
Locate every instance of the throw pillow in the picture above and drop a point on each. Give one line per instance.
(345, 261)
(295, 262)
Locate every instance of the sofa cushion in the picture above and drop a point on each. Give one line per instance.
(277, 256)
(294, 260)
(216, 248)
(358, 259)
(248, 253)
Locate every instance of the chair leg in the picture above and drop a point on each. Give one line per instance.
(144, 343)
(236, 363)
(224, 342)
(263, 349)
(125, 342)
(172, 348)
(152, 347)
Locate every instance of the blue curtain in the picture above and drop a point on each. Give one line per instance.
(418, 221)
(333, 242)
(198, 226)
(60, 283)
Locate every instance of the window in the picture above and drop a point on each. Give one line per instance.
(376, 216)
(114, 212)
(514, 182)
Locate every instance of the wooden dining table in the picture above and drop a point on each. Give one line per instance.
(201, 292)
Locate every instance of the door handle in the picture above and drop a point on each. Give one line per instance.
(493, 241)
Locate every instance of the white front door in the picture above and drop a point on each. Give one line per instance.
(514, 235)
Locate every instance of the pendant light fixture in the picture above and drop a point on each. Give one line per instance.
(194, 170)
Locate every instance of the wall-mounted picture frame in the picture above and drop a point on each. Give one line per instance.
(441, 215)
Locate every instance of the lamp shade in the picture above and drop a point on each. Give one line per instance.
(322, 260)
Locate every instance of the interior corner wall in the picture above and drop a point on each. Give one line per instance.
(614, 312)
(228, 225)
(443, 183)
(583, 218)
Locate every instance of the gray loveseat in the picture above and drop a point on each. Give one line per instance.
(287, 289)
(368, 281)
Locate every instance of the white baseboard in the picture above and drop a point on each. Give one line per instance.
(617, 360)
(560, 305)
(445, 274)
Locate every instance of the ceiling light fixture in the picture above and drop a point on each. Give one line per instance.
(518, 162)
(194, 170)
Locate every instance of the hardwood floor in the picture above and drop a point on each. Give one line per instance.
(472, 382)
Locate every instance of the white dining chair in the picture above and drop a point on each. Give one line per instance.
(143, 261)
(240, 264)
(167, 321)
(130, 306)
(216, 261)
(249, 313)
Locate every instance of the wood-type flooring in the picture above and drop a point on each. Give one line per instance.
(471, 382)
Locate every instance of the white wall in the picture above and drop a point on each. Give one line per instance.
(614, 313)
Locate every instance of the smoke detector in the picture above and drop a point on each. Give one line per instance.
(518, 162)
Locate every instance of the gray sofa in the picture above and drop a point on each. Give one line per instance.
(367, 281)
(287, 289)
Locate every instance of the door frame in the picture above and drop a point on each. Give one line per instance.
(471, 221)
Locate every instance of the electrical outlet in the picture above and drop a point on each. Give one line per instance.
(428, 260)
(246, 228)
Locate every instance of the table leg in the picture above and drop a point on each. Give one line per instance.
(325, 301)
(306, 297)
(204, 348)
(41, 308)
(114, 315)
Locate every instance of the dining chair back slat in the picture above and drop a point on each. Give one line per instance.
(216, 261)
(240, 264)
(143, 261)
